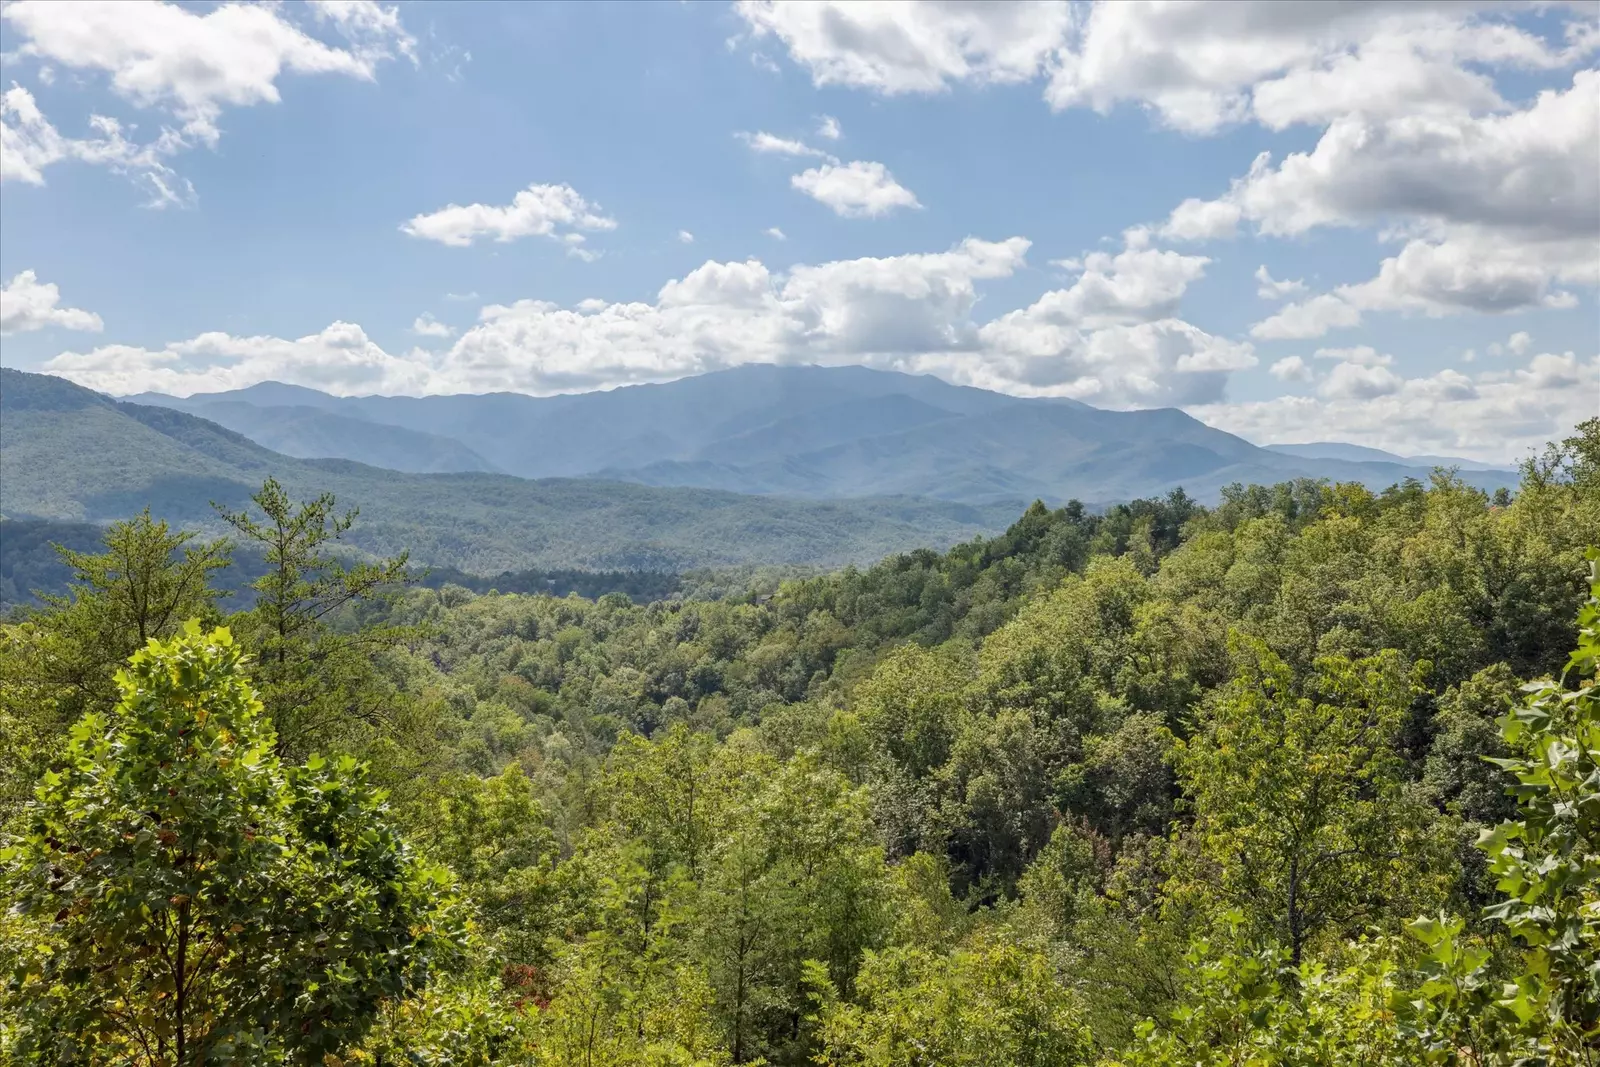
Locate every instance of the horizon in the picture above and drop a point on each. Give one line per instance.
(1504, 464)
(1378, 226)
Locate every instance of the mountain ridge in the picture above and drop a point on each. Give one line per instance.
(70, 454)
(845, 432)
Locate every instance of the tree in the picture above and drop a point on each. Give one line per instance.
(1251, 1008)
(1300, 810)
(58, 662)
(190, 900)
(147, 582)
(493, 833)
(1547, 862)
(314, 680)
(991, 1003)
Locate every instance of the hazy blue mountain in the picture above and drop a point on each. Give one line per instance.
(1361, 453)
(841, 432)
(308, 432)
(70, 454)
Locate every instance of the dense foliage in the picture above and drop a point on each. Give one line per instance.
(1254, 784)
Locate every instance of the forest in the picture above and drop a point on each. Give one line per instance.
(1310, 777)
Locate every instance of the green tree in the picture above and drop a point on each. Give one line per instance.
(315, 680)
(1547, 864)
(991, 1003)
(1252, 1008)
(1301, 815)
(493, 833)
(186, 899)
(58, 662)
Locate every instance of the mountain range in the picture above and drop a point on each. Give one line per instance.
(69, 454)
(801, 431)
(759, 465)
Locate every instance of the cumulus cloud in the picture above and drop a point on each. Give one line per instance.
(185, 64)
(855, 190)
(828, 127)
(1111, 336)
(1359, 381)
(1497, 212)
(193, 64)
(340, 359)
(1201, 66)
(1309, 318)
(1270, 288)
(686, 237)
(775, 233)
(1362, 355)
(29, 304)
(913, 48)
(1290, 369)
(428, 326)
(1519, 343)
(1495, 203)
(1201, 220)
(1197, 67)
(1448, 412)
(555, 211)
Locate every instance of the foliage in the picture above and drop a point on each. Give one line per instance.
(1300, 810)
(1255, 1008)
(1162, 784)
(58, 664)
(1547, 865)
(988, 1004)
(311, 676)
(194, 899)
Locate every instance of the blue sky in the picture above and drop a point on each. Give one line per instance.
(1041, 199)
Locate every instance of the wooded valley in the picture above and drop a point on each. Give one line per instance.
(1309, 777)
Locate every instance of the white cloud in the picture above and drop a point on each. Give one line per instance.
(913, 48)
(555, 211)
(340, 359)
(29, 144)
(828, 127)
(1357, 381)
(1362, 355)
(1290, 369)
(1111, 337)
(855, 190)
(1519, 343)
(771, 144)
(428, 326)
(1196, 66)
(1201, 66)
(1271, 288)
(461, 296)
(375, 31)
(686, 237)
(775, 233)
(1201, 220)
(1495, 416)
(1496, 211)
(193, 64)
(28, 304)
(1309, 318)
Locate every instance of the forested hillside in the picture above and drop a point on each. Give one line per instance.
(822, 432)
(70, 454)
(1263, 783)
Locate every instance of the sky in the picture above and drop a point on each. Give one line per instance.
(1366, 222)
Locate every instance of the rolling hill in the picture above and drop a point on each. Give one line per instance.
(820, 432)
(70, 454)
